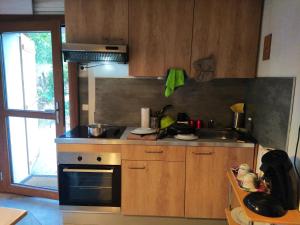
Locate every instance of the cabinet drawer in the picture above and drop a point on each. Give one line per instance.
(87, 148)
(144, 152)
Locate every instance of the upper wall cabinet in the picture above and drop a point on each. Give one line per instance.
(160, 36)
(229, 30)
(97, 21)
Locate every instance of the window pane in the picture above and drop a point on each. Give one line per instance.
(33, 152)
(28, 70)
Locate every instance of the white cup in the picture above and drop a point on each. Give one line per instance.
(243, 170)
(249, 181)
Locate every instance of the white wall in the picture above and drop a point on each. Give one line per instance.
(282, 19)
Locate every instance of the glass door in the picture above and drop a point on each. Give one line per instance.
(33, 106)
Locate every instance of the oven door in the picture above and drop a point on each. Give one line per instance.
(90, 185)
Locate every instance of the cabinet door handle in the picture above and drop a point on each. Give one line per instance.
(136, 167)
(152, 151)
(202, 153)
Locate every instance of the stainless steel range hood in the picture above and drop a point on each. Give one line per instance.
(77, 52)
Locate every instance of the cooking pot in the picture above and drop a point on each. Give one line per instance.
(95, 130)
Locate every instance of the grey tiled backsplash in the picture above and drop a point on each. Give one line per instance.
(119, 101)
(268, 101)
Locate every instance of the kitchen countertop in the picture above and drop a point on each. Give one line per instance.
(165, 141)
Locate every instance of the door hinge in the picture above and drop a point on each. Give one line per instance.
(1, 176)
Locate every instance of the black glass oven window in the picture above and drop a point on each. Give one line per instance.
(89, 185)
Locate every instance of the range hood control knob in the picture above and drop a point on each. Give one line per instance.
(99, 158)
(79, 158)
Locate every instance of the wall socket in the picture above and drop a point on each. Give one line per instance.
(85, 107)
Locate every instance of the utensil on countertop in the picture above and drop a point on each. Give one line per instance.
(161, 114)
(96, 129)
(163, 110)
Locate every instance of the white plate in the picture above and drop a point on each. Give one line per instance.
(186, 137)
(143, 131)
(239, 216)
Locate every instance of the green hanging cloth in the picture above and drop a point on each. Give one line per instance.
(175, 79)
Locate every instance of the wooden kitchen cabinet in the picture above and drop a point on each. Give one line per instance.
(88, 148)
(153, 188)
(153, 180)
(160, 36)
(97, 21)
(206, 192)
(229, 30)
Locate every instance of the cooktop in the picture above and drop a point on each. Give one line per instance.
(111, 132)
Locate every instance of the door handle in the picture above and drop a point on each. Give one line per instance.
(87, 171)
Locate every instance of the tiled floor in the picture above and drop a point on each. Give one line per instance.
(46, 212)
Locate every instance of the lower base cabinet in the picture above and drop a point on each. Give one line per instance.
(206, 192)
(194, 187)
(153, 188)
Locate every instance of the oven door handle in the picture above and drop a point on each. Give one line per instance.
(87, 171)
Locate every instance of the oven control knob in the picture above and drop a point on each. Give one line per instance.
(79, 158)
(99, 158)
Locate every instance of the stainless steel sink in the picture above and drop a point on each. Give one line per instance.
(217, 134)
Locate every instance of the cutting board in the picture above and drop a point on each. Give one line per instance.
(148, 137)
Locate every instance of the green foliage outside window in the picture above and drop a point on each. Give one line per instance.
(43, 56)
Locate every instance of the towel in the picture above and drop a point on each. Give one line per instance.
(175, 79)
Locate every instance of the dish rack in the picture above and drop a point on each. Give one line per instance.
(292, 217)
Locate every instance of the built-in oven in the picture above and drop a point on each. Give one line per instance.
(89, 181)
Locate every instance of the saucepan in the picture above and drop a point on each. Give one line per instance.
(96, 129)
